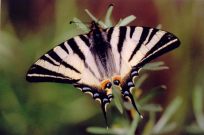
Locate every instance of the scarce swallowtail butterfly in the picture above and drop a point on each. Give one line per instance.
(96, 61)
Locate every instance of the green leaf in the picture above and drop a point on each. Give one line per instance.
(140, 80)
(117, 99)
(119, 22)
(108, 22)
(95, 19)
(150, 124)
(152, 94)
(152, 108)
(158, 68)
(81, 25)
(133, 126)
(159, 26)
(168, 128)
(99, 130)
(168, 113)
(155, 66)
(198, 106)
(194, 129)
(126, 20)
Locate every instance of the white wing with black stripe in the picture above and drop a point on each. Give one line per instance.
(69, 62)
(135, 46)
(94, 61)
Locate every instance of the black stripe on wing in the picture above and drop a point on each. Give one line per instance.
(75, 48)
(146, 39)
(167, 43)
(110, 32)
(85, 39)
(55, 56)
(122, 36)
(40, 74)
(132, 30)
(153, 32)
(45, 58)
(143, 37)
(46, 69)
(62, 45)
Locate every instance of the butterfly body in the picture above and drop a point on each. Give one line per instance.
(96, 61)
(102, 52)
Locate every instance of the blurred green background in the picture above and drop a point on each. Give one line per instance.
(29, 28)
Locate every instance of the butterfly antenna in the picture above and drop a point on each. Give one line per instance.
(104, 114)
(134, 105)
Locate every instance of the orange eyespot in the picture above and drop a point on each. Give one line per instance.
(117, 80)
(105, 84)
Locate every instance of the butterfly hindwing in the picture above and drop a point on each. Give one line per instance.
(98, 95)
(127, 88)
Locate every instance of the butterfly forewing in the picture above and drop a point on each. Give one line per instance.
(60, 64)
(137, 45)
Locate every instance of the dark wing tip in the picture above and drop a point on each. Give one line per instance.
(171, 36)
(166, 44)
(28, 77)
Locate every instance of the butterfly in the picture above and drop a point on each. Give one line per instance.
(96, 61)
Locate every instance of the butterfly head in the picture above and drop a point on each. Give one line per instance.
(94, 25)
(96, 31)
